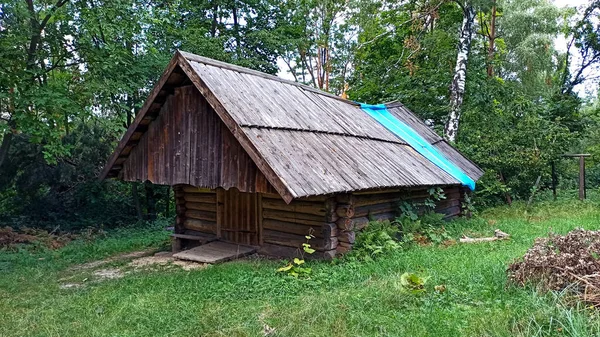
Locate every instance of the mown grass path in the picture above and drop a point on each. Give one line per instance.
(340, 299)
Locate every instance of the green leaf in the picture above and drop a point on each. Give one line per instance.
(286, 268)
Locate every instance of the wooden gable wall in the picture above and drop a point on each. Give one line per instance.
(188, 144)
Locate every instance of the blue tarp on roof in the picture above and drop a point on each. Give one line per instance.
(380, 113)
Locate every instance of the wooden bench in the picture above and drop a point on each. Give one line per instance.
(178, 238)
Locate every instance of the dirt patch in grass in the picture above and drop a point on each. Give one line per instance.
(560, 262)
(116, 258)
(164, 259)
(140, 261)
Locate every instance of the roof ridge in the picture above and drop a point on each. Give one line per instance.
(233, 67)
(279, 128)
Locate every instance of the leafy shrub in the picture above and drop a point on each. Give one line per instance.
(413, 283)
(378, 238)
(428, 228)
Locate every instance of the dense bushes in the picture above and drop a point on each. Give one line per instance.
(66, 194)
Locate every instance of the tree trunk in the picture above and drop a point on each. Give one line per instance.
(506, 194)
(457, 88)
(213, 27)
(236, 30)
(492, 38)
(5, 147)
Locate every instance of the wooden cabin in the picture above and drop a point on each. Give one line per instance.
(256, 160)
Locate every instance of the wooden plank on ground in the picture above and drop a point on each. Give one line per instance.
(215, 252)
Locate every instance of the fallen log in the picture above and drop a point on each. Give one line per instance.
(498, 235)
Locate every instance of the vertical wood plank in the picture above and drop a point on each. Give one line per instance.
(220, 211)
(259, 221)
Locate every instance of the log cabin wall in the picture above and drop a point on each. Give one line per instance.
(188, 144)
(196, 211)
(265, 220)
(356, 210)
(285, 226)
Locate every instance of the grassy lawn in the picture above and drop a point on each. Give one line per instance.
(339, 299)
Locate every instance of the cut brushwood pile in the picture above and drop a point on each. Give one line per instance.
(498, 235)
(561, 262)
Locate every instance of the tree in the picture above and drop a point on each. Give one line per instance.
(459, 80)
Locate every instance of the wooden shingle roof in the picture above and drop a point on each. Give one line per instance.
(305, 141)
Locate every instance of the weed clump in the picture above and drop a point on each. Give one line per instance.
(560, 262)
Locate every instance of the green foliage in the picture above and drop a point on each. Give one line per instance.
(377, 239)
(296, 267)
(352, 298)
(428, 228)
(413, 283)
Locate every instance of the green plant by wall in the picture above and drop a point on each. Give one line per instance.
(428, 228)
(296, 267)
(378, 238)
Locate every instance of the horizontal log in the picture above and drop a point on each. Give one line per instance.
(208, 236)
(320, 231)
(356, 224)
(343, 248)
(347, 236)
(271, 196)
(450, 212)
(345, 198)
(209, 198)
(447, 204)
(307, 219)
(201, 226)
(293, 240)
(192, 189)
(291, 252)
(345, 211)
(201, 206)
(375, 209)
(201, 215)
(367, 200)
(307, 207)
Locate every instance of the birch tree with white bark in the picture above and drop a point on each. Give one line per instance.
(459, 80)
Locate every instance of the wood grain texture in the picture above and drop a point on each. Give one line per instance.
(235, 127)
(188, 144)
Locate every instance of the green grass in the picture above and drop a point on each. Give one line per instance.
(339, 299)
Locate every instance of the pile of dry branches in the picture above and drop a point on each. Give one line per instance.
(10, 237)
(559, 262)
